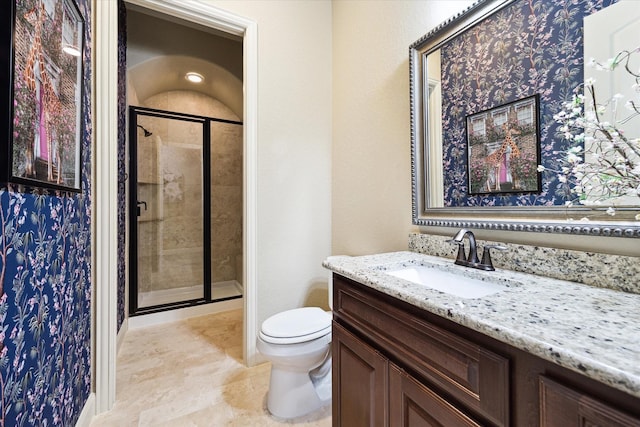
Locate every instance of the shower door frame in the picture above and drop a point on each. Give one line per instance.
(134, 112)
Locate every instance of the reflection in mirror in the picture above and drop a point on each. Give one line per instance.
(600, 47)
(468, 78)
(434, 117)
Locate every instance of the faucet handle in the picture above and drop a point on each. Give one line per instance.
(461, 257)
(486, 256)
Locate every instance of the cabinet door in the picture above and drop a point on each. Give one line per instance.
(561, 406)
(412, 404)
(359, 382)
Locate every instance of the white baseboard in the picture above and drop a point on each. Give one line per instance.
(142, 321)
(88, 411)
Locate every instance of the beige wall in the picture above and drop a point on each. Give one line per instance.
(371, 200)
(294, 148)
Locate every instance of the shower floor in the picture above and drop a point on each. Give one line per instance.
(219, 290)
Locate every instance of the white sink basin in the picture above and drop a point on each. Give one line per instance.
(444, 281)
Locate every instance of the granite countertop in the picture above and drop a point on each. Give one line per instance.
(593, 331)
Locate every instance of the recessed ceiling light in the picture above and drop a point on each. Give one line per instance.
(194, 77)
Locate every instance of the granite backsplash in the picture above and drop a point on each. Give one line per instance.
(616, 272)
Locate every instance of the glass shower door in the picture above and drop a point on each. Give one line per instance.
(226, 210)
(167, 180)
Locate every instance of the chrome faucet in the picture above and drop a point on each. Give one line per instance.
(471, 259)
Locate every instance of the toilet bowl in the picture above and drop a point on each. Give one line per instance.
(298, 345)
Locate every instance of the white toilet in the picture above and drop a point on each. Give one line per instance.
(298, 345)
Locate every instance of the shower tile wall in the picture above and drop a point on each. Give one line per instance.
(177, 230)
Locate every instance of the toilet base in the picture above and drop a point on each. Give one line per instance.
(292, 394)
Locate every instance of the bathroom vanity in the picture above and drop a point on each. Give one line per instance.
(540, 352)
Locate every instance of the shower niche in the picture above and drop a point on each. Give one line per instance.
(185, 196)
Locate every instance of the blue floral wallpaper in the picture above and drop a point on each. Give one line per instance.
(122, 164)
(45, 291)
(530, 47)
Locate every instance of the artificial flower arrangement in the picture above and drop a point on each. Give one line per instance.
(602, 165)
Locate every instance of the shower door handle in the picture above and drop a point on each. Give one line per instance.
(142, 202)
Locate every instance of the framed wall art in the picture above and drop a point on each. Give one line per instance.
(41, 52)
(503, 148)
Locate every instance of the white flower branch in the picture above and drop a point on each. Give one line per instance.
(602, 163)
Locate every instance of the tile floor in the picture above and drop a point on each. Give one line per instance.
(190, 373)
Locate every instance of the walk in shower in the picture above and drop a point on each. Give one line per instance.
(185, 210)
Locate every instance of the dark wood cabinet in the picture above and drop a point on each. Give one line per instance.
(562, 406)
(396, 365)
(376, 392)
(398, 342)
(360, 373)
(413, 404)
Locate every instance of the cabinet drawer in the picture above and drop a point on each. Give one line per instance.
(473, 375)
(561, 406)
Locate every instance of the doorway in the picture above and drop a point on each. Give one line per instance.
(106, 84)
(185, 209)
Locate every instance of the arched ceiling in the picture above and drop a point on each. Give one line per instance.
(165, 73)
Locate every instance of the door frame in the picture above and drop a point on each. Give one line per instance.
(105, 167)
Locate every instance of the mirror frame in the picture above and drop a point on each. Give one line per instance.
(543, 219)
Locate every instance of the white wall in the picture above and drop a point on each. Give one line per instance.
(371, 200)
(294, 148)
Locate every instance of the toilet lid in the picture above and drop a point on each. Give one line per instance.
(305, 323)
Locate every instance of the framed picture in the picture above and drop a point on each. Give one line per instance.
(503, 148)
(41, 67)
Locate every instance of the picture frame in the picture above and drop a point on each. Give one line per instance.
(41, 68)
(503, 148)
